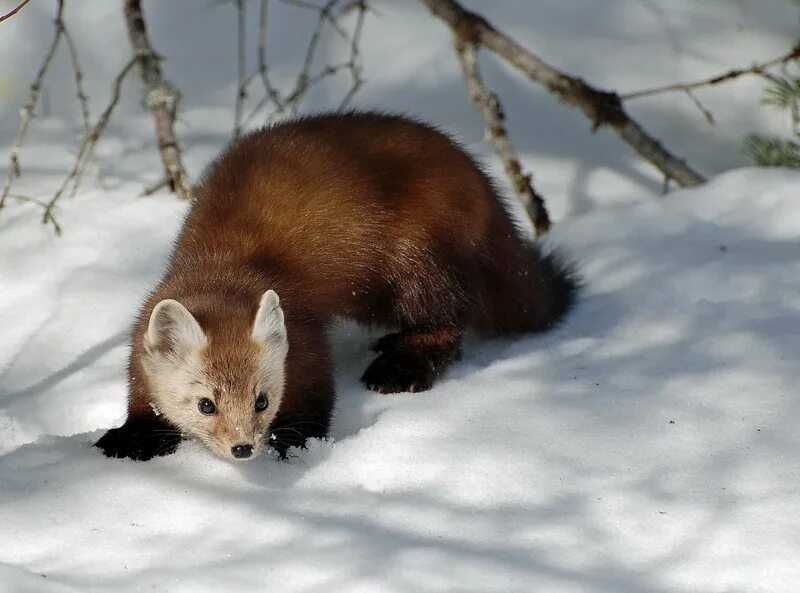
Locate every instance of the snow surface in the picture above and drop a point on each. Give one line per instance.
(649, 445)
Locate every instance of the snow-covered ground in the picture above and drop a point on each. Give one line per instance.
(649, 445)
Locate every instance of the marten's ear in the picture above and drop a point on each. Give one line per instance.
(269, 327)
(172, 329)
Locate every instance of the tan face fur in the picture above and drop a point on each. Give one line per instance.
(185, 366)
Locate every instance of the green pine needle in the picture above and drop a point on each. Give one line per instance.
(771, 151)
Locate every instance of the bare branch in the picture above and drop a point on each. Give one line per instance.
(151, 189)
(241, 89)
(706, 113)
(161, 98)
(302, 86)
(86, 149)
(29, 199)
(488, 106)
(83, 100)
(602, 108)
(326, 18)
(686, 87)
(270, 90)
(354, 64)
(27, 113)
(8, 15)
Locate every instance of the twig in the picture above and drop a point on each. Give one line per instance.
(161, 98)
(151, 189)
(8, 15)
(302, 86)
(792, 54)
(354, 65)
(76, 67)
(241, 90)
(83, 100)
(488, 106)
(602, 108)
(689, 87)
(27, 113)
(706, 113)
(87, 147)
(30, 199)
(271, 91)
(289, 102)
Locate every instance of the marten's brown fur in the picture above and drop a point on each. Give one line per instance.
(373, 217)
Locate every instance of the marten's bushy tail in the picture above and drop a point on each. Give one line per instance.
(526, 290)
(563, 285)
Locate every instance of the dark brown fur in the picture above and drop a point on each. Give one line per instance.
(362, 215)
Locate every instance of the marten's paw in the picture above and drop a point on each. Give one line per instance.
(393, 372)
(386, 344)
(140, 440)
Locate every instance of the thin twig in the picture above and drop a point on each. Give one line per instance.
(269, 89)
(302, 86)
(83, 100)
(151, 189)
(8, 15)
(706, 113)
(792, 54)
(602, 108)
(326, 18)
(241, 89)
(28, 111)
(30, 199)
(488, 106)
(354, 65)
(87, 147)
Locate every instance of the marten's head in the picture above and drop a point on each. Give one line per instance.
(223, 387)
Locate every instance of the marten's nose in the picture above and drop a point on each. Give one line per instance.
(242, 451)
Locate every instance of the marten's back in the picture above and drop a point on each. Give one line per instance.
(341, 201)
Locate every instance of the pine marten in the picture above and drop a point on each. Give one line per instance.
(373, 217)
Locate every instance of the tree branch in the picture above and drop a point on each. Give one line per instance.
(687, 87)
(27, 113)
(326, 18)
(241, 90)
(86, 149)
(160, 97)
(8, 15)
(602, 108)
(488, 106)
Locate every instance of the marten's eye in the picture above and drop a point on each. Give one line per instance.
(261, 402)
(207, 407)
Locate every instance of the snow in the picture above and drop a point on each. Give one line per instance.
(649, 445)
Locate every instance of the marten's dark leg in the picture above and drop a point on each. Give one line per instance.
(293, 427)
(142, 437)
(431, 298)
(413, 359)
(308, 400)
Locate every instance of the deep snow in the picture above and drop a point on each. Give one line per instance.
(650, 445)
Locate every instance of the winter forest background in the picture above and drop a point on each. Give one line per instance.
(649, 445)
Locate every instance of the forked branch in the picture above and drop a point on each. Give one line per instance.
(602, 108)
(288, 102)
(28, 111)
(86, 149)
(490, 109)
(687, 87)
